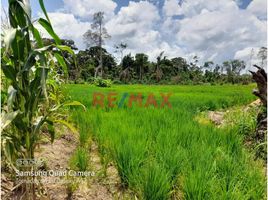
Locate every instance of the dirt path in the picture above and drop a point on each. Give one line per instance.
(218, 118)
(56, 157)
(97, 187)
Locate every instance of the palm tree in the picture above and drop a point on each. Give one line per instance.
(159, 72)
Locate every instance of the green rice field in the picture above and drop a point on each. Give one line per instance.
(164, 153)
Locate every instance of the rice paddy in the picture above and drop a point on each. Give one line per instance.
(164, 153)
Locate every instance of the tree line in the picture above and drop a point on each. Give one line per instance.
(138, 68)
(96, 62)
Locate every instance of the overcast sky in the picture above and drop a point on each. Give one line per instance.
(211, 29)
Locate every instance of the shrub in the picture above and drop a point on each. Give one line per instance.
(71, 82)
(175, 79)
(90, 80)
(79, 81)
(117, 82)
(99, 82)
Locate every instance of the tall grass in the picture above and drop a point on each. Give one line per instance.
(80, 159)
(155, 183)
(161, 153)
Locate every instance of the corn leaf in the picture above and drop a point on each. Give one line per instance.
(7, 118)
(37, 37)
(65, 48)
(11, 96)
(46, 25)
(74, 103)
(51, 130)
(67, 124)
(61, 62)
(25, 5)
(9, 72)
(42, 5)
(9, 37)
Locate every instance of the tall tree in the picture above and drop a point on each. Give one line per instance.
(127, 65)
(233, 69)
(262, 55)
(159, 72)
(180, 64)
(208, 65)
(95, 37)
(120, 48)
(141, 60)
(88, 59)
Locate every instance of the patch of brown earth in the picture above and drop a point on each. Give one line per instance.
(100, 187)
(255, 103)
(105, 185)
(56, 157)
(57, 154)
(6, 186)
(216, 117)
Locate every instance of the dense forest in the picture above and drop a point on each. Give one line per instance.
(138, 68)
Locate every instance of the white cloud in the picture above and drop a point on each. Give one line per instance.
(258, 8)
(192, 8)
(171, 7)
(86, 8)
(135, 25)
(67, 27)
(216, 30)
(136, 17)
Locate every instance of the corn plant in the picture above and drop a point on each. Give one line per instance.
(28, 66)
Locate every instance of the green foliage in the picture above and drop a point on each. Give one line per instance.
(162, 153)
(84, 133)
(128, 160)
(79, 81)
(34, 99)
(138, 69)
(244, 122)
(80, 159)
(155, 183)
(99, 82)
(88, 60)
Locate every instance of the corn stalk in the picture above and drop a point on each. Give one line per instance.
(27, 64)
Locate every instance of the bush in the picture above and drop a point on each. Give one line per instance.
(71, 82)
(118, 82)
(175, 79)
(79, 81)
(99, 82)
(90, 80)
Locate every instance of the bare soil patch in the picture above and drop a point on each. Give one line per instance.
(100, 187)
(56, 156)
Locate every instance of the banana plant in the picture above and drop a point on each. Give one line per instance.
(28, 66)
